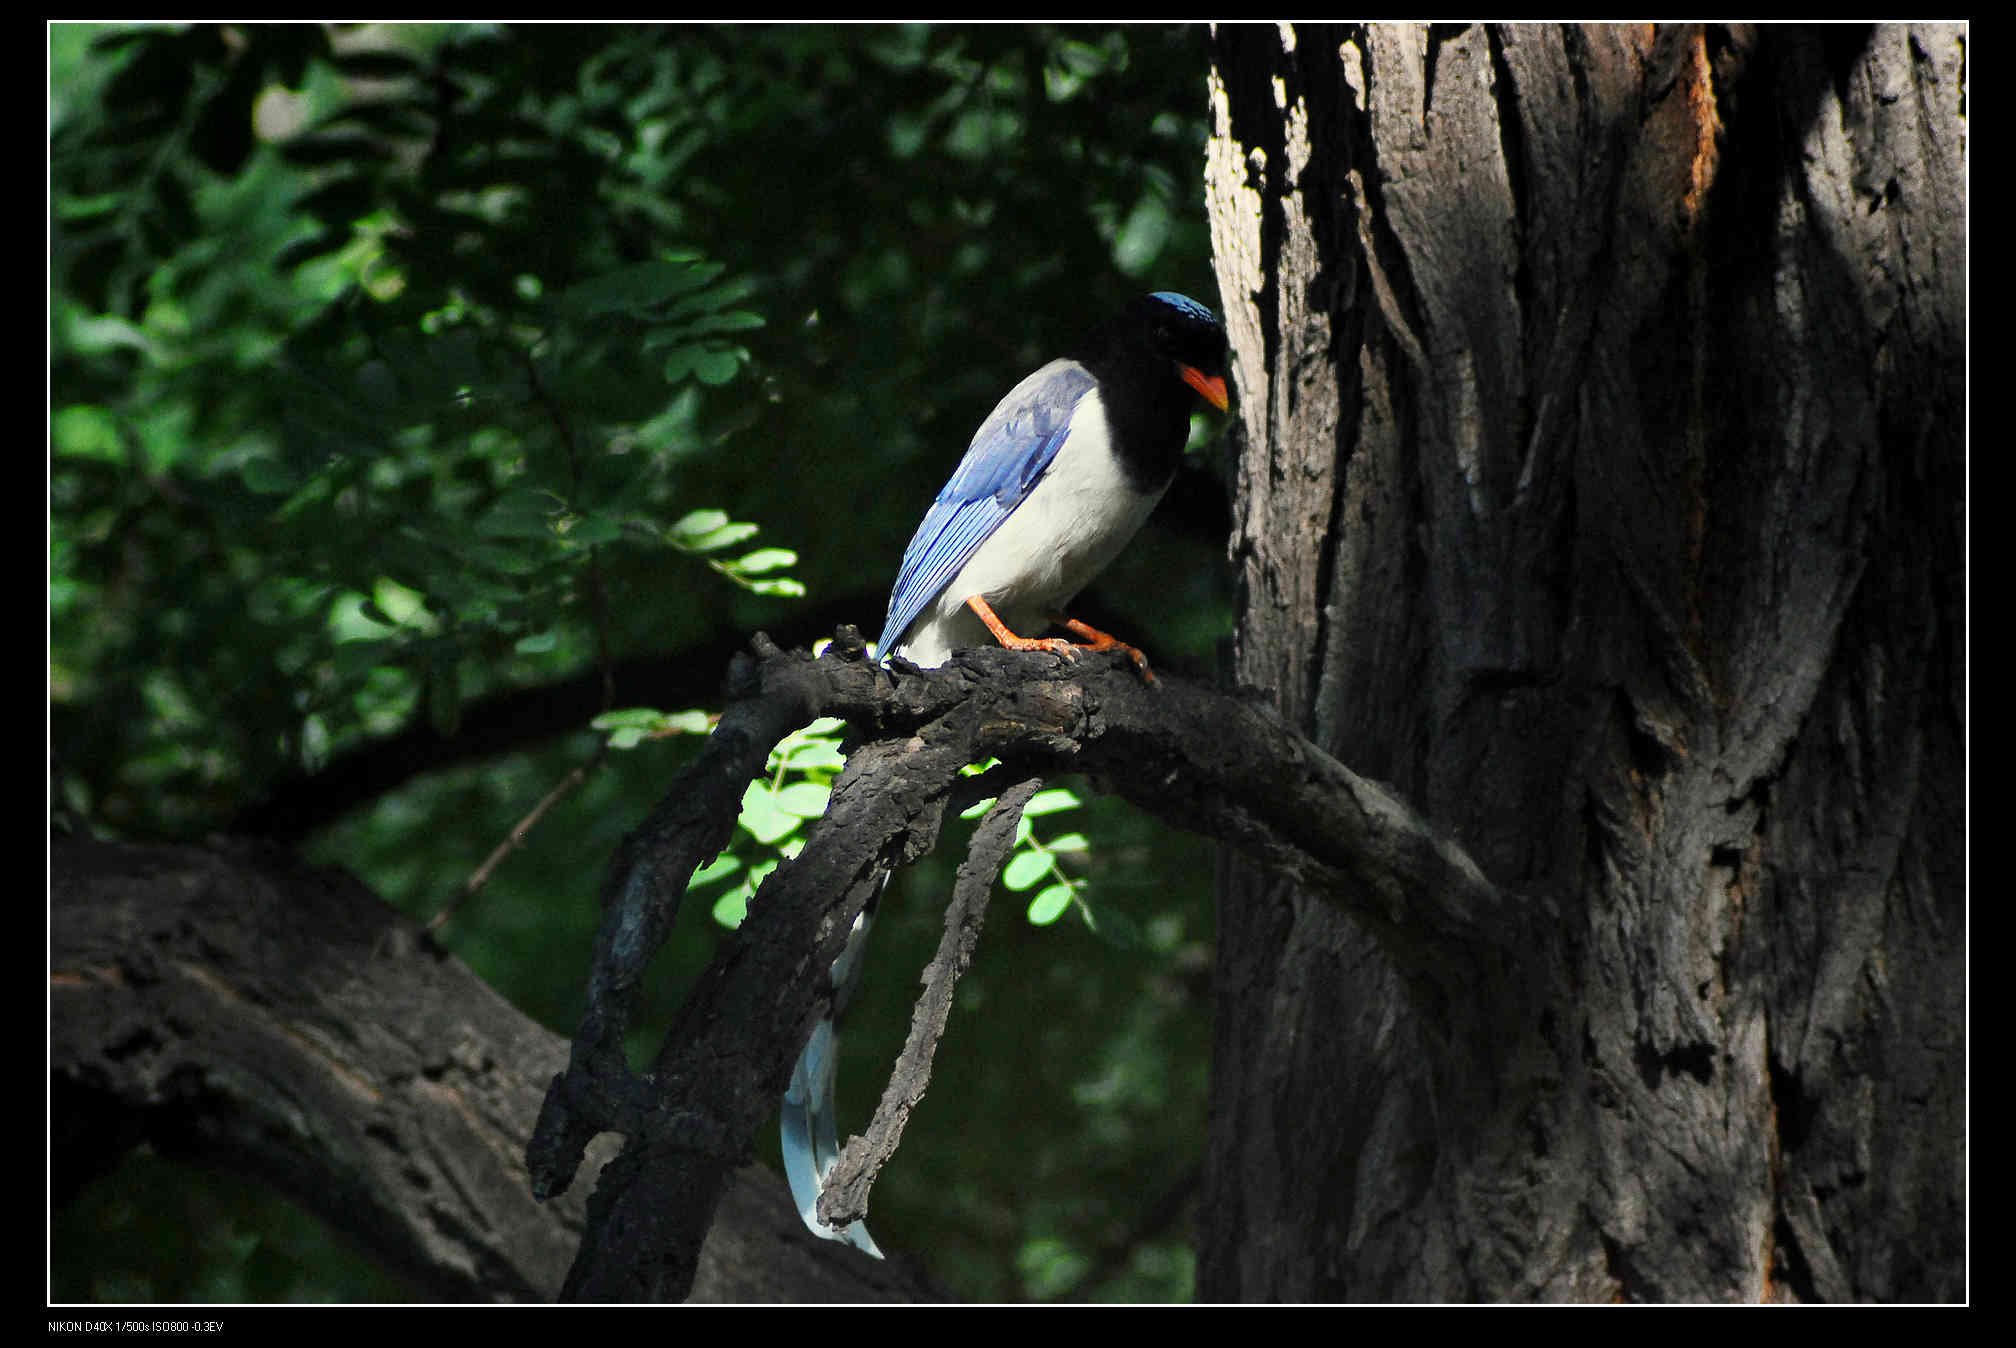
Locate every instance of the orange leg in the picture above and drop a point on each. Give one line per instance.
(1095, 640)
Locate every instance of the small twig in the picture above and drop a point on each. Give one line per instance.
(846, 1197)
(516, 837)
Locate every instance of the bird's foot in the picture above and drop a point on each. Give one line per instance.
(1096, 640)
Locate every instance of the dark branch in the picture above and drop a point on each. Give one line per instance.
(526, 718)
(235, 1008)
(1199, 759)
(520, 719)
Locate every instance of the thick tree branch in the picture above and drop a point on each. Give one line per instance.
(516, 720)
(519, 719)
(237, 1008)
(1200, 759)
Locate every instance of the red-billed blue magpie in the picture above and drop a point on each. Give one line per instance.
(1056, 481)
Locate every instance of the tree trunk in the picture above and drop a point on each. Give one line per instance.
(1600, 458)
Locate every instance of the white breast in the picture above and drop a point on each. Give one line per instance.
(1076, 519)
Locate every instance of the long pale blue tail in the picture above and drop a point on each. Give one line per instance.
(811, 1140)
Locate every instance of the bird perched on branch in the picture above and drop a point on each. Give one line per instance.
(1056, 481)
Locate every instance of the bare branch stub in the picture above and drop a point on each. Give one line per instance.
(846, 1197)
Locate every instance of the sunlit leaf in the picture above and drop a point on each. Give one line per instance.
(807, 800)
(627, 716)
(762, 818)
(1025, 869)
(1051, 800)
(766, 559)
(732, 907)
(720, 868)
(1049, 904)
(695, 525)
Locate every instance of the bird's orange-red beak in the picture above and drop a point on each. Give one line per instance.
(1210, 387)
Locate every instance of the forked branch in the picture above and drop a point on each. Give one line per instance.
(1200, 759)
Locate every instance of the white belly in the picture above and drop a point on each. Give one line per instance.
(1072, 524)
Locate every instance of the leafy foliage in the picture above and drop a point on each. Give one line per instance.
(393, 367)
(775, 814)
(1037, 862)
(410, 438)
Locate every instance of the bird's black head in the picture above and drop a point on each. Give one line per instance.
(1187, 330)
(1160, 335)
(1153, 360)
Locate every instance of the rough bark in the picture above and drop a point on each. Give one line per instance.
(1216, 763)
(235, 1008)
(1600, 465)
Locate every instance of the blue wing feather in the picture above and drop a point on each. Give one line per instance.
(1009, 454)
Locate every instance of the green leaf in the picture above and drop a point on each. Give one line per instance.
(732, 907)
(636, 287)
(96, 335)
(1070, 842)
(708, 531)
(1024, 870)
(697, 524)
(1049, 904)
(687, 332)
(1052, 801)
(733, 320)
(732, 291)
(815, 756)
(645, 717)
(765, 559)
(720, 868)
(590, 530)
(727, 536)
(710, 364)
(399, 603)
(762, 818)
(84, 431)
(807, 800)
(1143, 237)
(788, 589)
(1081, 58)
(719, 366)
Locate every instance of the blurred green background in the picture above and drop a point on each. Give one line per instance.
(384, 361)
